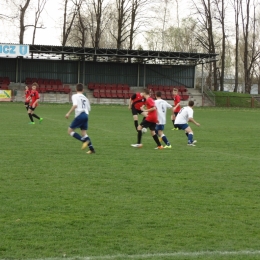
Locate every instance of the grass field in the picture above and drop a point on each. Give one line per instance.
(124, 203)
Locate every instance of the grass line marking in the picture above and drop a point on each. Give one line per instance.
(190, 255)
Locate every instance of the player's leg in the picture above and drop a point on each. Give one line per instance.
(144, 114)
(34, 115)
(173, 117)
(85, 138)
(139, 134)
(71, 132)
(135, 117)
(164, 139)
(26, 104)
(30, 111)
(152, 127)
(76, 123)
(189, 134)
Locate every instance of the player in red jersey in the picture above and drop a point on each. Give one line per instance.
(27, 97)
(176, 108)
(149, 122)
(135, 103)
(33, 104)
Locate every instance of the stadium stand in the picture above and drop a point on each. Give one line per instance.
(48, 85)
(4, 83)
(108, 90)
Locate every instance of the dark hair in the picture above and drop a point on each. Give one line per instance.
(79, 87)
(146, 91)
(191, 103)
(158, 94)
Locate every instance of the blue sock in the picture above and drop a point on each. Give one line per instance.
(165, 140)
(190, 137)
(77, 136)
(90, 146)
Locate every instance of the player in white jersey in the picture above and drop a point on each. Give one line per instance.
(162, 106)
(81, 105)
(181, 121)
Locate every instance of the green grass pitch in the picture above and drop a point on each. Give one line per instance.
(198, 202)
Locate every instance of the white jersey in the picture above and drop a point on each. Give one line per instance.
(162, 106)
(184, 115)
(82, 104)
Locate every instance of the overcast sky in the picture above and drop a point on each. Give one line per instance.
(52, 20)
(51, 17)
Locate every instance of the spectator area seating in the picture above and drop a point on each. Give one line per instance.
(4, 83)
(167, 91)
(49, 85)
(107, 90)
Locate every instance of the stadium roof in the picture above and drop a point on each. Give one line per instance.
(121, 55)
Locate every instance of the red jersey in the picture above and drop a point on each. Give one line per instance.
(27, 94)
(152, 115)
(137, 101)
(177, 99)
(34, 96)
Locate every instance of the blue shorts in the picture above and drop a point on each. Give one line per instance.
(159, 127)
(81, 121)
(181, 126)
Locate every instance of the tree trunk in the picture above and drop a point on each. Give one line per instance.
(22, 26)
(237, 10)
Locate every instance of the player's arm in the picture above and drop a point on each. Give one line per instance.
(71, 110)
(148, 110)
(193, 121)
(168, 105)
(130, 103)
(35, 102)
(175, 107)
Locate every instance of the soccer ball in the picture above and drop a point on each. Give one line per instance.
(144, 130)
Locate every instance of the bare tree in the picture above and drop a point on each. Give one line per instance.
(69, 16)
(40, 8)
(251, 53)
(177, 12)
(237, 9)
(138, 18)
(99, 19)
(123, 21)
(80, 30)
(23, 9)
(204, 11)
(221, 10)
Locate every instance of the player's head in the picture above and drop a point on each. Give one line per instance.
(191, 103)
(34, 85)
(158, 94)
(26, 87)
(79, 87)
(146, 92)
(175, 91)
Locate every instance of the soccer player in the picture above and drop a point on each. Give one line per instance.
(149, 122)
(177, 107)
(182, 119)
(162, 106)
(34, 98)
(81, 105)
(135, 103)
(27, 97)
